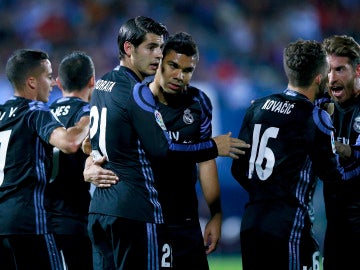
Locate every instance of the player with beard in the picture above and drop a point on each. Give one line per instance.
(291, 145)
(342, 200)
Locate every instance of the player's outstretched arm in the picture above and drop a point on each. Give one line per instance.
(70, 140)
(229, 146)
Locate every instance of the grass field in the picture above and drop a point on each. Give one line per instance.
(225, 262)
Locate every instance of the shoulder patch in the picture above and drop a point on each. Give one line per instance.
(159, 120)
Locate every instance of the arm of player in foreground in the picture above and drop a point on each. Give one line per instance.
(209, 182)
(95, 174)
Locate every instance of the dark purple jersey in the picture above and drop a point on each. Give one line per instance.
(188, 120)
(68, 193)
(25, 165)
(291, 144)
(129, 130)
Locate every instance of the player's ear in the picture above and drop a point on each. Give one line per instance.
(31, 82)
(357, 70)
(318, 79)
(128, 48)
(59, 83)
(91, 83)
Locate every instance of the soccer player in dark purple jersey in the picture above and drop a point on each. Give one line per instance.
(68, 193)
(187, 114)
(342, 200)
(28, 132)
(292, 143)
(125, 221)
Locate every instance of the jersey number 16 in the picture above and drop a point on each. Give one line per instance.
(262, 158)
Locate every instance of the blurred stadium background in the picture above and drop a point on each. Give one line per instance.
(240, 41)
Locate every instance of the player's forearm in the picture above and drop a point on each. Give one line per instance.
(209, 182)
(70, 140)
(215, 207)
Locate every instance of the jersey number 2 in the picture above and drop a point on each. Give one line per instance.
(166, 257)
(262, 158)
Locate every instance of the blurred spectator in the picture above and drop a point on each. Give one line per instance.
(246, 34)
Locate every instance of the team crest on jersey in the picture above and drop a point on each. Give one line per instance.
(187, 117)
(159, 120)
(356, 125)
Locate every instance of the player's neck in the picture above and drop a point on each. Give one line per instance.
(84, 95)
(26, 93)
(157, 92)
(127, 63)
(309, 92)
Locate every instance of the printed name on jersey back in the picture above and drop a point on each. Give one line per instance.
(104, 85)
(278, 106)
(10, 113)
(61, 110)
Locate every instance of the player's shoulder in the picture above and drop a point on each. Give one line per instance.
(260, 101)
(38, 106)
(21, 101)
(143, 97)
(195, 92)
(322, 120)
(74, 103)
(118, 78)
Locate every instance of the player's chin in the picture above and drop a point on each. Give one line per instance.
(152, 69)
(44, 99)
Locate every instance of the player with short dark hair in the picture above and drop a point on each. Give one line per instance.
(28, 132)
(291, 145)
(129, 131)
(187, 114)
(68, 193)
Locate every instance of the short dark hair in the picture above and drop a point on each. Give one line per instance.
(75, 71)
(24, 63)
(303, 60)
(182, 43)
(345, 46)
(134, 30)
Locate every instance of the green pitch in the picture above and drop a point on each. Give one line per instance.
(233, 262)
(225, 262)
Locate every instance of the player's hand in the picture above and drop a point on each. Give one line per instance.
(344, 150)
(95, 174)
(229, 146)
(86, 146)
(212, 233)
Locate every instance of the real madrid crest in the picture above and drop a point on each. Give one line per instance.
(356, 124)
(187, 117)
